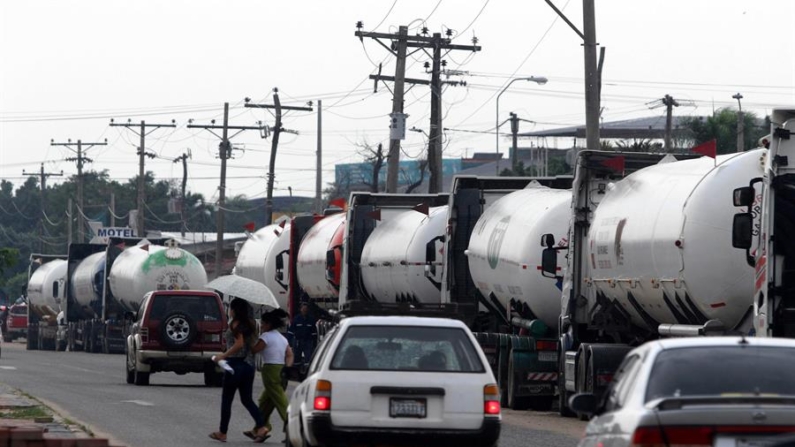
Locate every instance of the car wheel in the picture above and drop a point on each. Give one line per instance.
(304, 442)
(177, 330)
(140, 378)
(129, 369)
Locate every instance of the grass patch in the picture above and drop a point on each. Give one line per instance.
(25, 413)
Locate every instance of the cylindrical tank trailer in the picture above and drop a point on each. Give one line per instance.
(258, 260)
(660, 243)
(46, 289)
(401, 260)
(504, 255)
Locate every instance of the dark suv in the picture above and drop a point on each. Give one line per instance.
(176, 331)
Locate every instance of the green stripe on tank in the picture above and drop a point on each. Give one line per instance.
(159, 259)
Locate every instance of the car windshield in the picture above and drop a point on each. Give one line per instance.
(406, 348)
(724, 370)
(199, 308)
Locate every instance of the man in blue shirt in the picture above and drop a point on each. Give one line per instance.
(304, 334)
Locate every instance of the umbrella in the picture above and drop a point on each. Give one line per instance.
(252, 291)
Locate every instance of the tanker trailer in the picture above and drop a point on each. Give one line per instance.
(504, 263)
(45, 292)
(399, 260)
(131, 272)
(317, 263)
(656, 260)
(390, 289)
(262, 259)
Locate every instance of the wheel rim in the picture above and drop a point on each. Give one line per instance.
(177, 329)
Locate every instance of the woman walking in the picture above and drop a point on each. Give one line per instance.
(239, 356)
(276, 353)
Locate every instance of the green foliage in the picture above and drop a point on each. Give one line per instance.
(27, 229)
(722, 126)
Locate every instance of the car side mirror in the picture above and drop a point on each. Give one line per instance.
(744, 196)
(583, 404)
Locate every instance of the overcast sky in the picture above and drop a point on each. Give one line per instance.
(67, 67)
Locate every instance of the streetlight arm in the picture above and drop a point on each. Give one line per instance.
(541, 80)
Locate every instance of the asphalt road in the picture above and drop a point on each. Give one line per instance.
(180, 410)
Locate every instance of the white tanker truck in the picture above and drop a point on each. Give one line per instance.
(765, 230)
(262, 258)
(45, 295)
(107, 283)
(648, 256)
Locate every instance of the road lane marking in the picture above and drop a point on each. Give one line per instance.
(8, 367)
(142, 403)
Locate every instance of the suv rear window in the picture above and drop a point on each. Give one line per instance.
(406, 348)
(711, 371)
(199, 308)
(19, 311)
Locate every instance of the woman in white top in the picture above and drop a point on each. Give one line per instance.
(275, 353)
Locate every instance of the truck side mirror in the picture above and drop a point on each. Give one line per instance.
(548, 240)
(741, 230)
(549, 262)
(744, 196)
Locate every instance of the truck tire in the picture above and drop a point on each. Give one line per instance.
(515, 402)
(177, 330)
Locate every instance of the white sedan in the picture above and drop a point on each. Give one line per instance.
(396, 381)
(699, 391)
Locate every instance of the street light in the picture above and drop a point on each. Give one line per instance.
(540, 80)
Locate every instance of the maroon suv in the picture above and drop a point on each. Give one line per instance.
(177, 331)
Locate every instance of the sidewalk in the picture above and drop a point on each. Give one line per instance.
(26, 422)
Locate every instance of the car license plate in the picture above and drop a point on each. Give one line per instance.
(726, 441)
(548, 356)
(407, 408)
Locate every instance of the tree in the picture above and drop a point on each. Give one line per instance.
(422, 166)
(376, 157)
(722, 126)
(8, 258)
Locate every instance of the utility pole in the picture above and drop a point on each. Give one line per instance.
(142, 133)
(69, 216)
(515, 140)
(112, 209)
(319, 161)
(184, 158)
(80, 160)
(669, 103)
(740, 124)
(277, 130)
(593, 72)
(399, 48)
(224, 152)
(43, 183)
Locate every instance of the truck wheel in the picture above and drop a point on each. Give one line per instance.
(515, 402)
(177, 330)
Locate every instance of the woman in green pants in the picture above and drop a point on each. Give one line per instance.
(275, 353)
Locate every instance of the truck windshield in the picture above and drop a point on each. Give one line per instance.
(199, 308)
(406, 348)
(723, 370)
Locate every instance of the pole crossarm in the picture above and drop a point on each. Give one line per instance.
(271, 106)
(565, 19)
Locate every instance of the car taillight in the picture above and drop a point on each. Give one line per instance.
(144, 331)
(322, 395)
(545, 345)
(672, 437)
(491, 400)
